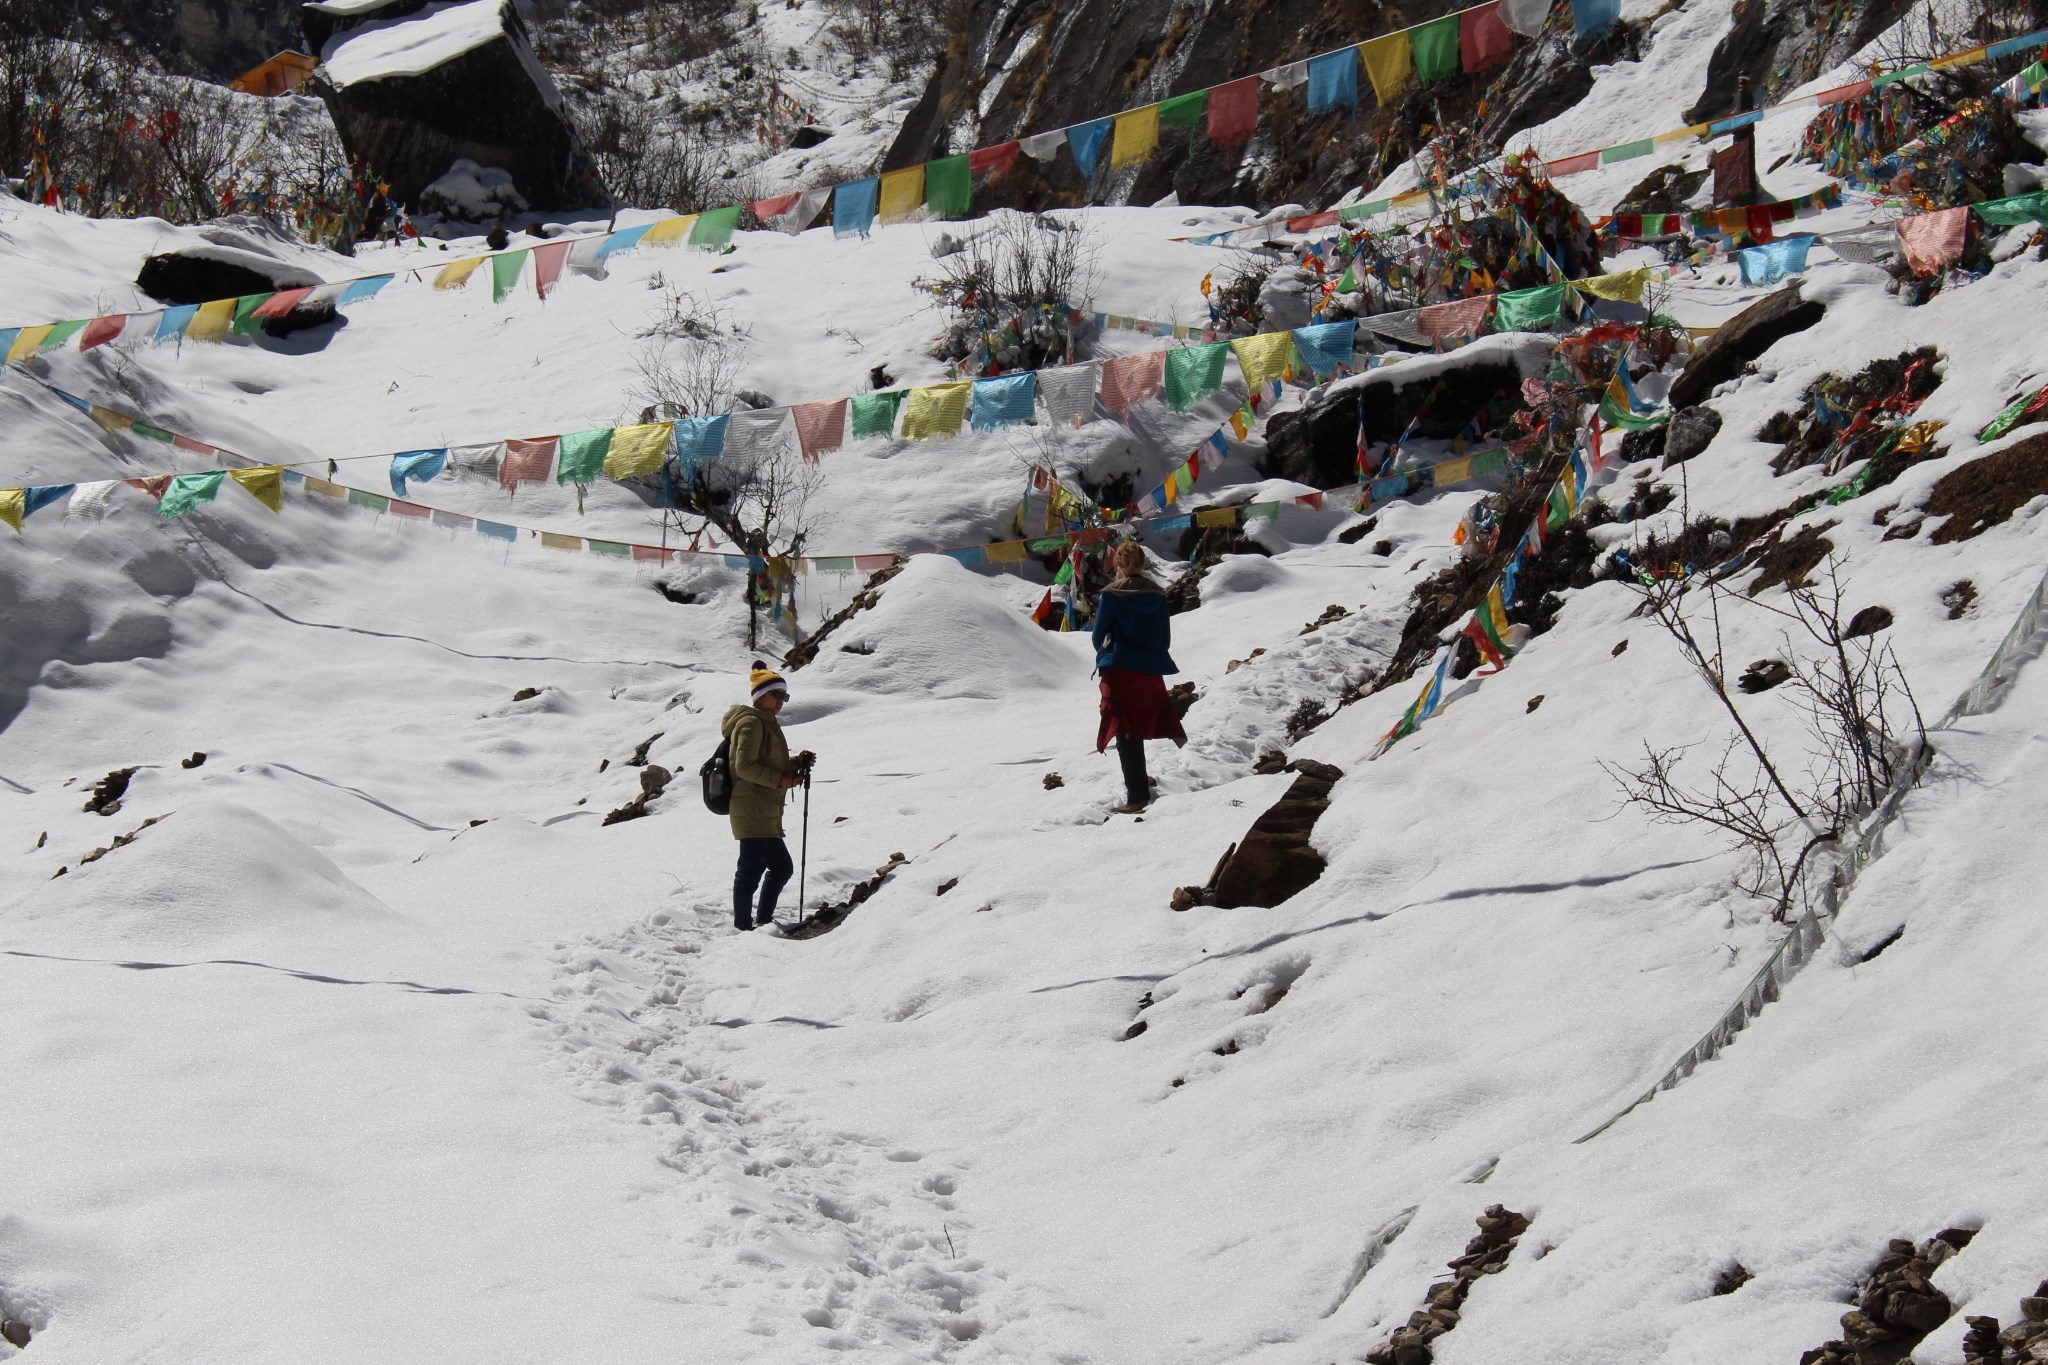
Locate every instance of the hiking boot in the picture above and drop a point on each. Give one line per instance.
(1128, 808)
(764, 921)
(743, 928)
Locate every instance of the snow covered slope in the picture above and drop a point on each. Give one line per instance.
(377, 1043)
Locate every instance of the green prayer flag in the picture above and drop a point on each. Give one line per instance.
(505, 268)
(1628, 151)
(150, 433)
(607, 547)
(713, 227)
(1894, 77)
(874, 414)
(376, 502)
(2021, 208)
(833, 564)
(1617, 416)
(1194, 372)
(1353, 212)
(580, 458)
(62, 333)
(1529, 310)
(187, 491)
(1436, 49)
(948, 186)
(246, 320)
(1262, 511)
(2005, 421)
(1184, 111)
(1046, 545)
(1065, 575)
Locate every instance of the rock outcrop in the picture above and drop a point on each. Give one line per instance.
(415, 87)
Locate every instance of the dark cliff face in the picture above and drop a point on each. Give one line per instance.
(215, 40)
(1038, 65)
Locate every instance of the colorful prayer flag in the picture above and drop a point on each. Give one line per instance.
(1389, 61)
(820, 427)
(1436, 49)
(1233, 111)
(1129, 379)
(874, 414)
(699, 440)
(1483, 39)
(949, 186)
(456, 273)
(1333, 81)
(1263, 357)
(423, 465)
(853, 207)
(902, 193)
(264, 483)
(714, 227)
(1193, 373)
(636, 452)
(1137, 136)
(548, 259)
(1184, 111)
(1085, 141)
(1326, 347)
(187, 491)
(935, 410)
(1003, 401)
(506, 267)
(526, 462)
(669, 231)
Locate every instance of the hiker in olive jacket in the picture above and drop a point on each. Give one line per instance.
(762, 771)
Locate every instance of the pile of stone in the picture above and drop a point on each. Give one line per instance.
(2024, 1342)
(1486, 1254)
(1898, 1306)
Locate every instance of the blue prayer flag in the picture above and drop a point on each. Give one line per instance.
(699, 440)
(854, 206)
(1591, 16)
(1333, 81)
(1085, 140)
(1773, 261)
(362, 289)
(36, 498)
(970, 554)
(1005, 401)
(497, 530)
(1327, 346)
(625, 239)
(175, 321)
(423, 465)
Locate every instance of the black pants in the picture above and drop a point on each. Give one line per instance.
(1130, 752)
(764, 862)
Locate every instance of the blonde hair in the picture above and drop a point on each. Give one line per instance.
(1130, 556)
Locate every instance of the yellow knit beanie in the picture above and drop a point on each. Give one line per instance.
(765, 680)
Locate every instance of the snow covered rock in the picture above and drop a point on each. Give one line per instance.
(416, 88)
(473, 193)
(227, 263)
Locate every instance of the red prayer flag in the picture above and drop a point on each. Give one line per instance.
(997, 159)
(526, 462)
(401, 508)
(1312, 220)
(280, 303)
(1483, 39)
(1314, 500)
(1629, 225)
(653, 552)
(1759, 223)
(196, 447)
(100, 331)
(1842, 94)
(1234, 111)
(153, 486)
(1572, 165)
(764, 209)
(547, 265)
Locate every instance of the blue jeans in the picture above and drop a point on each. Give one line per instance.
(762, 861)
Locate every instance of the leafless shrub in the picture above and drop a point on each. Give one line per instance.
(1862, 724)
(1017, 266)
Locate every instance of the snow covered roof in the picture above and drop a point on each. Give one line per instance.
(412, 45)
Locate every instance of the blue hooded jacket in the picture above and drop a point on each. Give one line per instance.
(1133, 627)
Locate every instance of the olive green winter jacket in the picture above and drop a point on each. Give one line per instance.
(760, 760)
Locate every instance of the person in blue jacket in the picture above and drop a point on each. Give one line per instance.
(1133, 630)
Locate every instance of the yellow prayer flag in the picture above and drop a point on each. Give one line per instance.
(1006, 552)
(1263, 358)
(1216, 516)
(13, 506)
(455, 274)
(1389, 64)
(935, 410)
(1623, 286)
(902, 193)
(555, 542)
(27, 343)
(669, 231)
(212, 321)
(637, 451)
(1137, 136)
(324, 488)
(106, 419)
(1454, 471)
(265, 484)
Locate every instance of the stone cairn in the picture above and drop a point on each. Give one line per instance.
(1898, 1305)
(1486, 1254)
(2023, 1343)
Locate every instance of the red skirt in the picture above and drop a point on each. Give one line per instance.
(1136, 704)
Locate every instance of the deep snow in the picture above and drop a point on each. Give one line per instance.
(317, 1068)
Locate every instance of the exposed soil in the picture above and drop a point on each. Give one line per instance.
(806, 650)
(1986, 492)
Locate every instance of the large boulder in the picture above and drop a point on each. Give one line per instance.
(225, 263)
(1318, 445)
(416, 86)
(1741, 340)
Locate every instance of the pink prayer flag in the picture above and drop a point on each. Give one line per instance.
(1234, 111)
(1131, 379)
(1462, 318)
(1483, 39)
(547, 265)
(653, 552)
(196, 447)
(1932, 240)
(526, 462)
(820, 427)
(764, 209)
(280, 303)
(1572, 165)
(154, 485)
(1842, 94)
(100, 331)
(1312, 220)
(401, 508)
(872, 563)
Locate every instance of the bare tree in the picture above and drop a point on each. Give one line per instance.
(1017, 266)
(1854, 704)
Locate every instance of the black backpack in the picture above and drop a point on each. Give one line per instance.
(717, 775)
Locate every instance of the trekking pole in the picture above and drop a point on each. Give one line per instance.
(803, 851)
